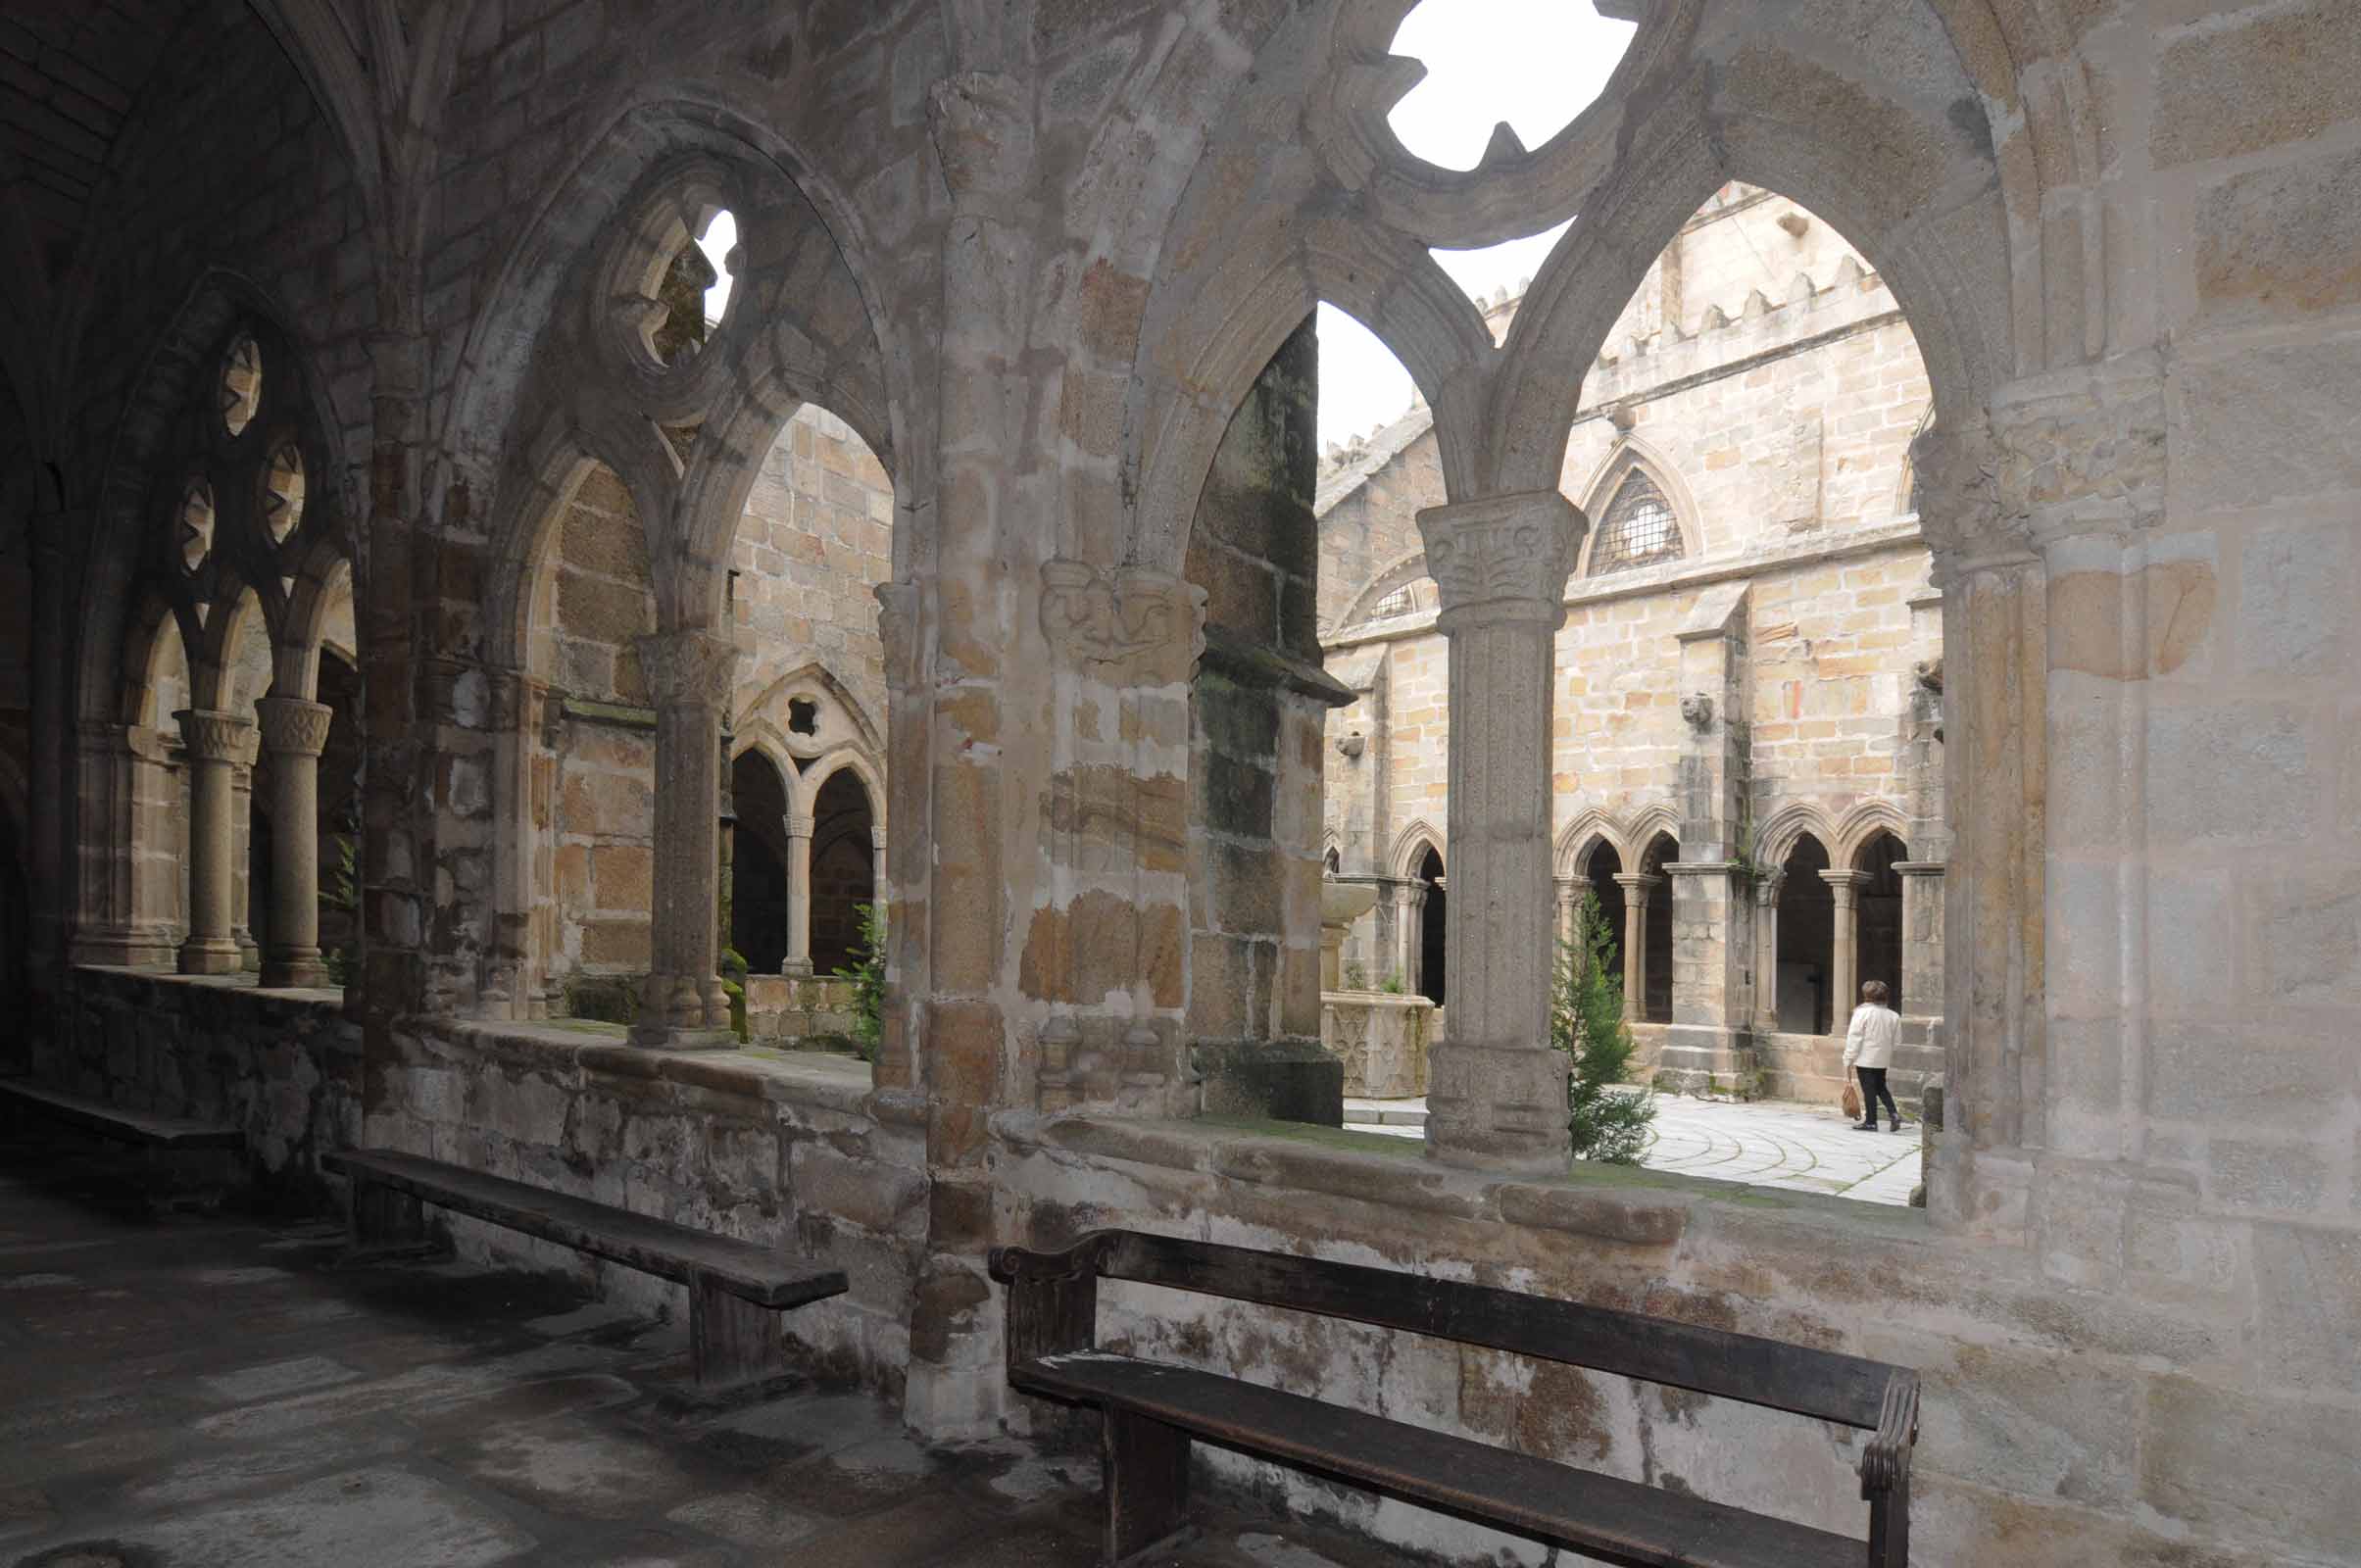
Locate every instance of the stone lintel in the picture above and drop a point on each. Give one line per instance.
(1921, 868)
(1701, 867)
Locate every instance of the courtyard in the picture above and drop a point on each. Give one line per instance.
(1766, 1143)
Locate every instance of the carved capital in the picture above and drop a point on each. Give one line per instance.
(294, 727)
(688, 668)
(1503, 558)
(898, 631)
(798, 824)
(215, 737)
(1133, 628)
(982, 124)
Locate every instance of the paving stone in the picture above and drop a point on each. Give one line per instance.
(381, 1518)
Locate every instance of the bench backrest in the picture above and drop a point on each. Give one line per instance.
(1849, 1390)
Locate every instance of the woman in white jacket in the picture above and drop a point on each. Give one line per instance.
(1869, 1051)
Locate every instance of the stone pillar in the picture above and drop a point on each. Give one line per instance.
(1922, 937)
(1844, 968)
(1569, 905)
(1409, 933)
(217, 744)
(294, 732)
(242, 891)
(1499, 1089)
(1766, 953)
(1638, 889)
(799, 894)
(682, 1003)
(1706, 1049)
(877, 900)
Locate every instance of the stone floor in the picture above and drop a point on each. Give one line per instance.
(1765, 1143)
(189, 1391)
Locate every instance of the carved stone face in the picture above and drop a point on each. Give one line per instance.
(1698, 710)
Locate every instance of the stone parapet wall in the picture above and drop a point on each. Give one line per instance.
(779, 1148)
(784, 1008)
(1382, 1040)
(282, 1067)
(2064, 1424)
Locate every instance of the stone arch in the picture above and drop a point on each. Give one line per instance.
(1658, 819)
(853, 759)
(1629, 456)
(1861, 826)
(1224, 327)
(1946, 268)
(1406, 571)
(1775, 837)
(1582, 839)
(1411, 847)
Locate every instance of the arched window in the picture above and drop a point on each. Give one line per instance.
(1640, 529)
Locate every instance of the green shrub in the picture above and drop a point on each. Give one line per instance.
(868, 977)
(734, 986)
(1392, 985)
(1586, 1021)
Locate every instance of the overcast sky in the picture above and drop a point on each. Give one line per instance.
(1536, 63)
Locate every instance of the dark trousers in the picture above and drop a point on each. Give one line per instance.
(1873, 1090)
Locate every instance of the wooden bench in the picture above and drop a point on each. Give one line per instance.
(736, 1289)
(190, 1152)
(1152, 1409)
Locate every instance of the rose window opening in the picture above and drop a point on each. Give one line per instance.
(283, 493)
(694, 292)
(193, 523)
(241, 391)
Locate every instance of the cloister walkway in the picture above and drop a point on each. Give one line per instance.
(211, 1392)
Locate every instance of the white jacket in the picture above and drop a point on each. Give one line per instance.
(1870, 1039)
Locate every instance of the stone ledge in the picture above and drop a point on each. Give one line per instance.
(115, 976)
(813, 1078)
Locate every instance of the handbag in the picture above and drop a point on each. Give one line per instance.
(1852, 1101)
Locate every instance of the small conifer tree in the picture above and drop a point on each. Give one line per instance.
(1585, 1022)
(867, 976)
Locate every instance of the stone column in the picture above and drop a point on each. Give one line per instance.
(1569, 905)
(1766, 953)
(1706, 1045)
(1637, 887)
(217, 744)
(1845, 978)
(682, 1003)
(799, 894)
(1922, 937)
(877, 899)
(1409, 933)
(242, 891)
(1499, 1089)
(295, 732)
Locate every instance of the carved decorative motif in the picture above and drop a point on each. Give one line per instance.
(982, 123)
(898, 631)
(692, 667)
(214, 737)
(1135, 627)
(1504, 557)
(294, 727)
(1697, 710)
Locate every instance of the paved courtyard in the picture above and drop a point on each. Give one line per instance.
(213, 1391)
(1768, 1143)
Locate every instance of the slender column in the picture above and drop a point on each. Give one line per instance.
(1499, 1091)
(242, 891)
(1569, 905)
(1922, 937)
(1766, 953)
(1409, 933)
(877, 899)
(689, 677)
(295, 732)
(217, 744)
(1638, 889)
(1844, 968)
(798, 894)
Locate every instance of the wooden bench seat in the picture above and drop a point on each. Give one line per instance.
(1152, 1410)
(149, 1128)
(736, 1289)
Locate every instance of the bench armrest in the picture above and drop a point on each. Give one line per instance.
(1886, 1461)
(1053, 1296)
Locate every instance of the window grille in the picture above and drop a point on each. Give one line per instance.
(1396, 603)
(1639, 532)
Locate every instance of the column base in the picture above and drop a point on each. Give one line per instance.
(797, 968)
(294, 970)
(1281, 1080)
(1498, 1108)
(211, 956)
(1709, 1060)
(678, 1037)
